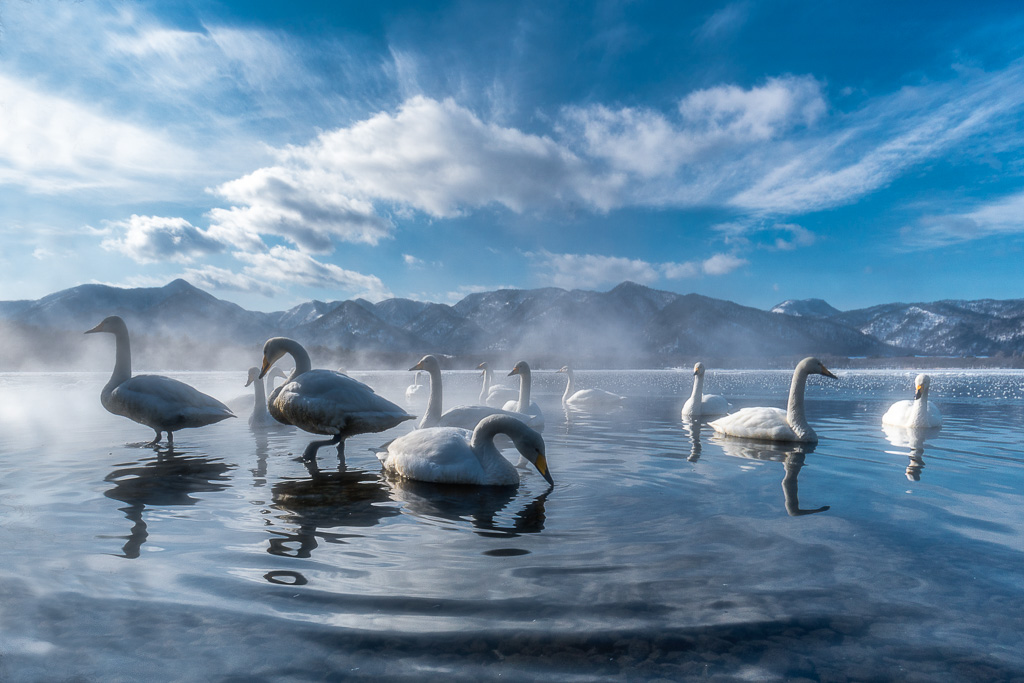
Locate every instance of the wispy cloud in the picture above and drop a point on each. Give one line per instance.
(281, 265)
(150, 239)
(1000, 217)
(592, 271)
(724, 22)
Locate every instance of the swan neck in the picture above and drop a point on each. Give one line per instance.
(919, 417)
(485, 390)
(698, 388)
(433, 412)
(260, 407)
(122, 359)
(299, 355)
(570, 385)
(795, 415)
(524, 391)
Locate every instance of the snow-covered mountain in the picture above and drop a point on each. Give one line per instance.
(631, 325)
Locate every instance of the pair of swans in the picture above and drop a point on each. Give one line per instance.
(587, 399)
(775, 424)
(261, 417)
(700, 404)
(467, 417)
(161, 403)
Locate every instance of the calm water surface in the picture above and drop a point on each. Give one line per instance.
(661, 552)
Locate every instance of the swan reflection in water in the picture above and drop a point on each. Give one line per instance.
(170, 479)
(480, 505)
(691, 427)
(790, 454)
(327, 500)
(914, 439)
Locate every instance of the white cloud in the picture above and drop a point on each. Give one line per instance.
(227, 280)
(149, 239)
(412, 261)
(722, 264)
(287, 266)
(724, 22)
(52, 145)
(1004, 216)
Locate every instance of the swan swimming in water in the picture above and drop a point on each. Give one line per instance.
(493, 394)
(324, 401)
(917, 414)
(587, 398)
(700, 404)
(775, 424)
(524, 404)
(465, 417)
(449, 455)
(161, 403)
(415, 391)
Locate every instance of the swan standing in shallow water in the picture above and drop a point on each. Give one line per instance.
(493, 394)
(161, 403)
(700, 404)
(260, 416)
(587, 398)
(524, 404)
(775, 424)
(324, 401)
(917, 414)
(449, 455)
(465, 417)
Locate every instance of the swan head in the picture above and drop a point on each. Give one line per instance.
(272, 352)
(921, 386)
(428, 363)
(520, 368)
(483, 368)
(813, 366)
(113, 324)
(564, 368)
(254, 374)
(531, 445)
(698, 369)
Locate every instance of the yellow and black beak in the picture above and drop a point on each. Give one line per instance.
(95, 329)
(542, 466)
(418, 366)
(826, 372)
(917, 394)
(266, 366)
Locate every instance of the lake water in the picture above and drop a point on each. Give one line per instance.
(662, 552)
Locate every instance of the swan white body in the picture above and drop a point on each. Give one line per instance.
(324, 401)
(449, 455)
(494, 395)
(416, 391)
(524, 405)
(700, 404)
(775, 424)
(161, 403)
(587, 398)
(917, 414)
(464, 417)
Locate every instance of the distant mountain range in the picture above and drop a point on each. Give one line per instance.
(179, 325)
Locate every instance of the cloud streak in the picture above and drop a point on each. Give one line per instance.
(593, 271)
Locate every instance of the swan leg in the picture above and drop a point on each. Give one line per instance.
(170, 439)
(157, 438)
(314, 446)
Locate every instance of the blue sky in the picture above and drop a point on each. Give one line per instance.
(755, 151)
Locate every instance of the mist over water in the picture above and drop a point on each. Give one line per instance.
(663, 551)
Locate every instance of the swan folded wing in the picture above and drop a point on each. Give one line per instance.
(756, 423)
(713, 404)
(467, 417)
(163, 402)
(898, 413)
(594, 397)
(326, 402)
(435, 454)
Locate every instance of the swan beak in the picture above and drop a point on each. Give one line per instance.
(542, 466)
(917, 394)
(95, 329)
(418, 366)
(512, 373)
(249, 381)
(266, 366)
(825, 372)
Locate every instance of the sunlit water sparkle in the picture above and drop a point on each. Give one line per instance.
(661, 552)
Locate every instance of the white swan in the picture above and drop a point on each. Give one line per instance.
(587, 398)
(524, 404)
(700, 404)
(324, 401)
(449, 455)
(162, 403)
(917, 414)
(493, 394)
(415, 391)
(775, 424)
(260, 417)
(465, 417)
